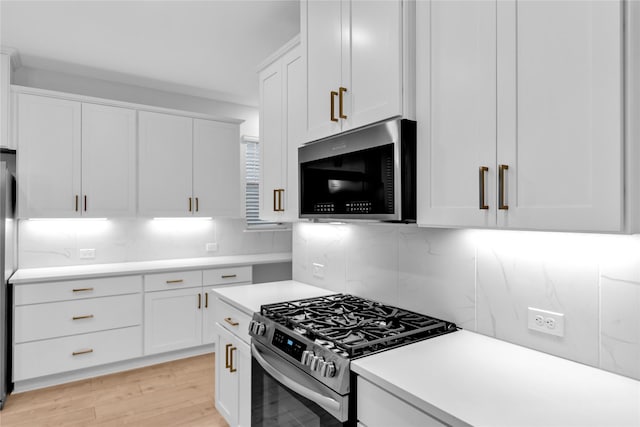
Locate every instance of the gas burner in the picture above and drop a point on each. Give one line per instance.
(354, 326)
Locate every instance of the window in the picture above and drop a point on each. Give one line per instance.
(251, 160)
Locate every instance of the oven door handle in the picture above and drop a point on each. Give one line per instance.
(323, 401)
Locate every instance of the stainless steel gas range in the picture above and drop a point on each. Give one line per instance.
(301, 352)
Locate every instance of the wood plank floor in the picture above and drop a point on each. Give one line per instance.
(178, 393)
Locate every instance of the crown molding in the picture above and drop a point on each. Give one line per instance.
(277, 54)
(13, 54)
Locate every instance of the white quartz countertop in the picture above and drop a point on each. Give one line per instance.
(31, 275)
(464, 378)
(249, 298)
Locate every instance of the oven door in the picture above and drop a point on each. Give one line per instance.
(282, 395)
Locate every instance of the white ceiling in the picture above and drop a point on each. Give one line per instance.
(201, 48)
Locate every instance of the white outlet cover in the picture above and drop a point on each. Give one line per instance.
(553, 323)
(318, 270)
(87, 253)
(211, 247)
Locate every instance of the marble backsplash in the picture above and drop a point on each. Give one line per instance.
(52, 243)
(484, 280)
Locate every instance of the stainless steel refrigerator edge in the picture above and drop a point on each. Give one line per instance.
(7, 264)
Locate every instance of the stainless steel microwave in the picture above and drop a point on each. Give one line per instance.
(365, 174)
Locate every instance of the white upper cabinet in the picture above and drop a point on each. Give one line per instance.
(216, 169)
(49, 156)
(188, 167)
(520, 114)
(108, 161)
(75, 159)
(359, 63)
(165, 162)
(281, 133)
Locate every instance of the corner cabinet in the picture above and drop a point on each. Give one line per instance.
(513, 131)
(360, 65)
(281, 132)
(75, 159)
(188, 167)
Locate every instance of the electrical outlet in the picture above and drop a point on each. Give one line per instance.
(211, 247)
(547, 322)
(318, 270)
(87, 253)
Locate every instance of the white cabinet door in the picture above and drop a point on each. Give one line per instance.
(294, 83)
(165, 163)
(372, 62)
(48, 157)
(108, 161)
(227, 380)
(216, 169)
(456, 107)
(560, 114)
(271, 142)
(244, 386)
(172, 320)
(323, 32)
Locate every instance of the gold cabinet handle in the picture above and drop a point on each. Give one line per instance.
(189, 204)
(501, 204)
(230, 321)
(206, 300)
(197, 205)
(340, 100)
(76, 203)
(85, 202)
(483, 169)
(88, 316)
(174, 281)
(82, 290)
(77, 353)
(199, 301)
(333, 108)
(229, 276)
(226, 355)
(280, 193)
(231, 368)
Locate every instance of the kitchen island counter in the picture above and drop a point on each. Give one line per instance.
(464, 378)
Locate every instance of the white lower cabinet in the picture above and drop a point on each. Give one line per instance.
(172, 320)
(394, 411)
(64, 326)
(233, 364)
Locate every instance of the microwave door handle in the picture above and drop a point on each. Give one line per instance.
(324, 401)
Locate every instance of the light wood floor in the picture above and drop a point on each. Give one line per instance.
(177, 393)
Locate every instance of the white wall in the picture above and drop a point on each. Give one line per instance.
(70, 83)
(484, 280)
(52, 243)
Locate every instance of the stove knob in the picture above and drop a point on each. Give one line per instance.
(252, 326)
(328, 369)
(316, 362)
(260, 328)
(307, 355)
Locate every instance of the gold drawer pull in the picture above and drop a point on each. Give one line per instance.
(88, 316)
(501, 204)
(83, 290)
(333, 108)
(483, 205)
(340, 112)
(231, 367)
(174, 281)
(226, 356)
(230, 321)
(229, 276)
(77, 353)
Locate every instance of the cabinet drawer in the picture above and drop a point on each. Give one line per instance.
(47, 357)
(220, 276)
(76, 289)
(394, 412)
(175, 280)
(233, 319)
(58, 319)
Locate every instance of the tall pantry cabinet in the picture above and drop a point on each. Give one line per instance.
(520, 114)
(282, 82)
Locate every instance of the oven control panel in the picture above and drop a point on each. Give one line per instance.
(289, 345)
